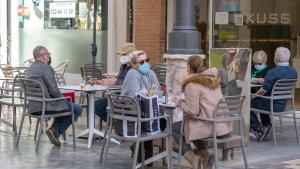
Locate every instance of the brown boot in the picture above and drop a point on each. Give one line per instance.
(208, 159)
(194, 159)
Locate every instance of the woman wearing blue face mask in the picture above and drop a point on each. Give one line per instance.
(259, 67)
(138, 78)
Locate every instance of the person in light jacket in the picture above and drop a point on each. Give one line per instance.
(202, 92)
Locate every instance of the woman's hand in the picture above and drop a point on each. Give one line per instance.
(176, 100)
(108, 81)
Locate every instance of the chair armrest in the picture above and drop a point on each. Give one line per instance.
(199, 118)
(265, 97)
(59, 98)
(154, 118)
(6, 89)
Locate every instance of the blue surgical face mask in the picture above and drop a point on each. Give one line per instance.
(144, 68)
(260, 67)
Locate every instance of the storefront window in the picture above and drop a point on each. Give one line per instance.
(65, 28)
(62, 14)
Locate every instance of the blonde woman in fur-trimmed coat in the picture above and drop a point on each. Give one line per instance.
(202, 93)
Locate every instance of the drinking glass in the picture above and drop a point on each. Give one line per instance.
(93, 81)
(82, 83)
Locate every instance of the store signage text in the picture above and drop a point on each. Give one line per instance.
(270, 18)
(62, 10)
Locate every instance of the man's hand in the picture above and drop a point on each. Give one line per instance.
(261, 92)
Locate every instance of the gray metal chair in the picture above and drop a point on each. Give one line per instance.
(111, 90)
(60, 80)
(282, 89)
(160, 70)
(34, 92)
(100, 66)
(228, 109)
(12, 96)
(127, 108)
(62, 67)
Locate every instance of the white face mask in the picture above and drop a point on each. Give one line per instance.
(124, 59)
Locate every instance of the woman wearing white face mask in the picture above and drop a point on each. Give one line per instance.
(101, 104)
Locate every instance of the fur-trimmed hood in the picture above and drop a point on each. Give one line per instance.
(208, 78)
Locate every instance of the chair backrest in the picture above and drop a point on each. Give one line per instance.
(12, 88)
(114, 90)
(8, 70)
(87, 73)
(33, 91)
(229, 106)
(60, 80)
(17, 87)
(62, 67)
(284, 89)
(124, 105)
(160, 70)
(28, 61)
(100, 66)
(17, 83)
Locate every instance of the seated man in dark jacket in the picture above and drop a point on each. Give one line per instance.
(42, 72)
(281, 71)
(101, 104)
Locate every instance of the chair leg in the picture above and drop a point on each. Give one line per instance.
(143, 153)
(40, 128)
(243, 145)
(169, 148)
(14, 120)
(100, 124)
(73, 130)
(20, 129)
(296, 127)
(180, 144)
(0, 110)
(106, 146)
(280, 121)
(136, 151)
(216, 153)
(273, 130)
(161, 149)
(105, 137)
(36, 129)
(30, 121)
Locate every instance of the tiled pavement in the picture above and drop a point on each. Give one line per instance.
(262, 155)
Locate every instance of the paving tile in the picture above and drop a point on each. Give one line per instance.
(261, 155)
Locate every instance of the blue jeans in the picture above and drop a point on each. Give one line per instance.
(263, 104)
(100, 108)
(61, 124)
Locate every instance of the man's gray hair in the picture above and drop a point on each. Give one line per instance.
(282, 54)
(37, 51)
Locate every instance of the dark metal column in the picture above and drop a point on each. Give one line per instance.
(184, 39)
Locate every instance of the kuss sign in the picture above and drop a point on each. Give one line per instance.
(270, 18)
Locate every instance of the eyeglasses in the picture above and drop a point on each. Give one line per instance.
(143, 61)
(49, 54)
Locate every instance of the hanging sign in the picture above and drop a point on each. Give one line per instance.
(62, 10)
